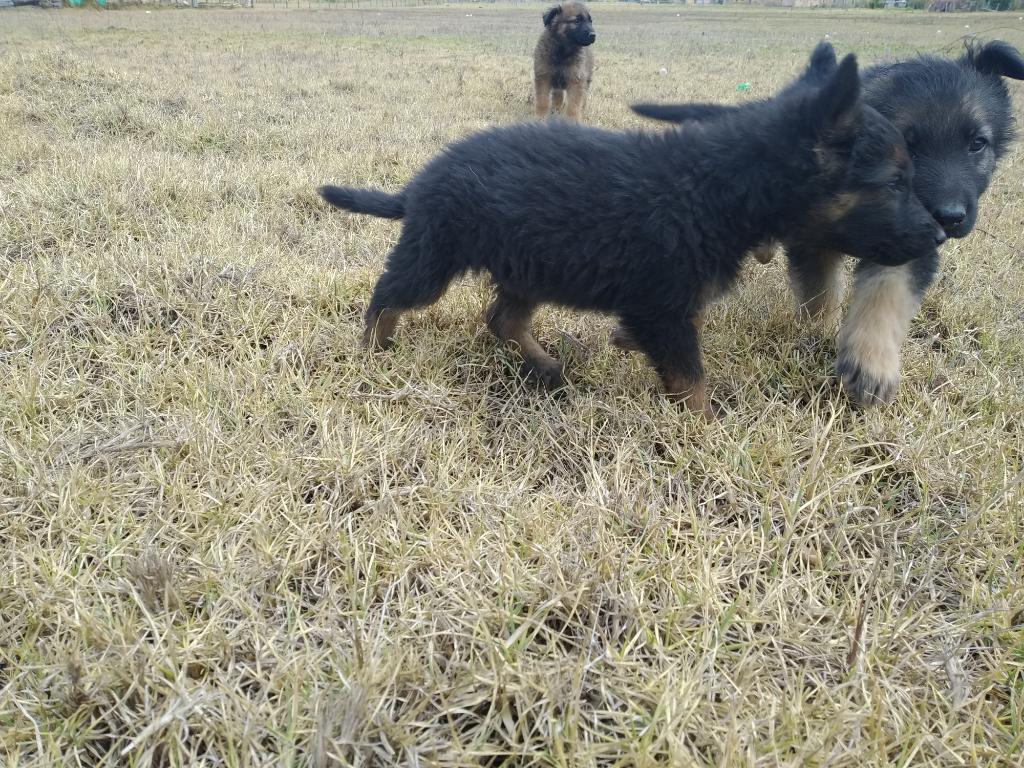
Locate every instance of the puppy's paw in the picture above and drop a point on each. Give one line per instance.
(548, 375)
(764, 253)
(622, 339)
(869, 379)
(374, 341)
(701, 408)
(690, 395)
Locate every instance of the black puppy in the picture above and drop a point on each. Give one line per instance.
(956, 117)
(647, 227)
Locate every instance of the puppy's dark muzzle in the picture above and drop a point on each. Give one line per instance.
(955, 219)
(959, 229)
(584, 37)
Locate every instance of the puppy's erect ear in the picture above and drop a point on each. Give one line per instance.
(550, 13)
(836, 109)
(995, 58)
(681, 113)
(821, 65)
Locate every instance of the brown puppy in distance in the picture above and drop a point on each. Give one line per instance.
(563, 62)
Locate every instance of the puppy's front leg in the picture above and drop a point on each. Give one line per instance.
(885, 299)
(816, 278)
(557, 100)
(620, 337)
(542, 89)
(577, 93)
(508, 317)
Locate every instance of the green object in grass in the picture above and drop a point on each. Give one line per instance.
(743, 87)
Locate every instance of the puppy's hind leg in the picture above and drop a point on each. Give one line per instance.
(509, 319)
(672, 344)
(413, 278)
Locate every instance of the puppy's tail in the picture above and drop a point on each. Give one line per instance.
(371, 201)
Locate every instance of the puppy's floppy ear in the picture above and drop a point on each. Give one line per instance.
(836, 109)
(550, 13)
(680, 113)
(821, 65)
(994, 58)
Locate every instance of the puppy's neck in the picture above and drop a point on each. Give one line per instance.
(562, 51)
(761, 178)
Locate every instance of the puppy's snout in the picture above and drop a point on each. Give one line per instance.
(950, 216)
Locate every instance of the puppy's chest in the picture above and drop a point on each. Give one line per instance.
(567, 63)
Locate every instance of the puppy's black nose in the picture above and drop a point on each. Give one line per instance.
(940, 236)
(591, 38)
(950, 216)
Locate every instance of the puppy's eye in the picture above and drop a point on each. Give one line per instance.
(978, 143)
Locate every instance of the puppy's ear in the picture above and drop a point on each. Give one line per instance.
(995, 58)
(821, 65)
(550, 13)
(836, 109)
(681, 113)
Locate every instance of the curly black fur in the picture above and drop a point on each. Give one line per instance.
(646, 227)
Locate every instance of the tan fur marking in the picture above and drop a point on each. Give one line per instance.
(577, 100)
(511, 322)
(689, 392)
(840, 205)
(899, 156)
(876, 326)
(824, 305)
(828, 160)
(377, 334)
(531, 350)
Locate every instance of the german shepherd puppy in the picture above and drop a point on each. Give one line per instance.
(956, 117)
(563, 62)
(647, 227)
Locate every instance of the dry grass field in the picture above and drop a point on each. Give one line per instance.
(228, 537)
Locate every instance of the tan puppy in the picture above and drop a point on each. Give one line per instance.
(563, 62)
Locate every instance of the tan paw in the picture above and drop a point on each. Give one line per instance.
(870, 374)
